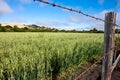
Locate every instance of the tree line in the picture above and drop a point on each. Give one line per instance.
(36, 28)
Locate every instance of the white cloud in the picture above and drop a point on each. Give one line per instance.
(101, 14)
(20, 7)
(4, 8)
(42, 4)
(118, 18)
(101, 1)
(53, 24)
(85, 19)
(80, 22)
(18, 20)
(25, 1)
(75, 19)
(118, 3)
(81, 19)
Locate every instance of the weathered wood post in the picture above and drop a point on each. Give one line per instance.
(109, 34)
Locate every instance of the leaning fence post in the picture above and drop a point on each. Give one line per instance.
(109, 34)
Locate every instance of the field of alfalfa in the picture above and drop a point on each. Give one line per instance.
(45, 56)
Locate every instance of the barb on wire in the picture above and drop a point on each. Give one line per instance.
(73, 10)
(92, 66)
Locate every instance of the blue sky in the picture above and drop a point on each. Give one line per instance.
(30, 12)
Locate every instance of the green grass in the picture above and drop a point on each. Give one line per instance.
(44, 56)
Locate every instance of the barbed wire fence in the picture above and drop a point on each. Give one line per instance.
(87, 15)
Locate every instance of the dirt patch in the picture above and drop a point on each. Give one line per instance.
(116, 73)
(95, 73)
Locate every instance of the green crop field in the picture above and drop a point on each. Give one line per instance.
(44, 56)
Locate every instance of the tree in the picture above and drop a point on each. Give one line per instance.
(8, 26)
(73, 30)
(94, 30)
(15, 26)
(16, 29)
(3, 29)
(35, 26)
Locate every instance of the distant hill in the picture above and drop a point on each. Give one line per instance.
(10, 27)
(13, 24)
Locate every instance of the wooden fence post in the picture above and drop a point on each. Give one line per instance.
(109, 34)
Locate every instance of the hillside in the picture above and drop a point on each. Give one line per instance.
(13, 24)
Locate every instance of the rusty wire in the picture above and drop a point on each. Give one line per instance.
(74, 10)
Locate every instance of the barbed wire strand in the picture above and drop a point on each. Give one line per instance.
(92, 66)
(73, 10)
